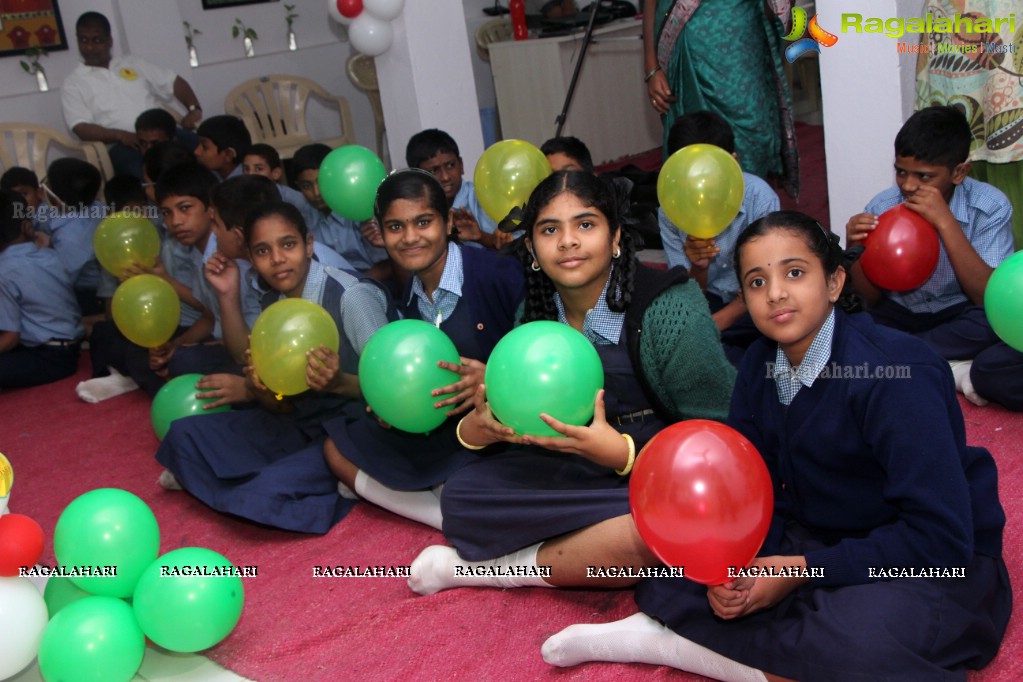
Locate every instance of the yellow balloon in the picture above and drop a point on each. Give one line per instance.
(282, 336)
(146, 309)
(123, 239)
(506, 174)
(700, 188)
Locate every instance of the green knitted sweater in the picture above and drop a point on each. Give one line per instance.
(674, 341)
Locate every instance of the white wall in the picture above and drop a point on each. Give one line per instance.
(152, 29)
(868, 90)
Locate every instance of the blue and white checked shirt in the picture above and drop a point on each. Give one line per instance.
(449, 290)
(985, 215)
(790, 379)
(600, 326)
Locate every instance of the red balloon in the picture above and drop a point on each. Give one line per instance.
(902, 251)
(21, 543)
(349, 8)
(701, 497)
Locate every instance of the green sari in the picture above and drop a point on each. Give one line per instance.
(726, 57)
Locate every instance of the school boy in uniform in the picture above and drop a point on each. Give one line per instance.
(973, 222)
(40, 326)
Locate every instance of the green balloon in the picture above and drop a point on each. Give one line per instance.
(1003, 300)
(182, 610)
(146, 310)
(398, 370)
(95, 639)
(348, 181)
(176, 399)
(545, 367)
(107, 527)
(280, 339)
(60, 592)
(124, 239)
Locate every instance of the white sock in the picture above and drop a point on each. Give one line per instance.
(641, 639)
(103, 388)
(168, 481)
(440, 568)
(346, 492)
(419, 505)
(961, 373)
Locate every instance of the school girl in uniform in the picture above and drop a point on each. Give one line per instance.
(472, 295)
(265, 464)
(560, 501)
(873, 483)
(40, 322)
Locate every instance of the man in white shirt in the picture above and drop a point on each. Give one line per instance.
(103, 96)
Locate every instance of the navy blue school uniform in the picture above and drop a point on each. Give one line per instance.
(491, 290)
(519, 496)
(872, 477)
(38, 302)
(269, 467)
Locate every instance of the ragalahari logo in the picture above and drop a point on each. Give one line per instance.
(818, 36)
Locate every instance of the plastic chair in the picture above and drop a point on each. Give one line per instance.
(493, 31)
(274, 110)
(33, 146)
(362, 71)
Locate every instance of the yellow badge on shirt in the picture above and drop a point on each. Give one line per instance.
(129, 74)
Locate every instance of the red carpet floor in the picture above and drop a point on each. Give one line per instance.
(297, 627)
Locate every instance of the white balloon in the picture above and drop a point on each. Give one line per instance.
(369, 35)
(336, 15)
(22, 619)
(388, 10)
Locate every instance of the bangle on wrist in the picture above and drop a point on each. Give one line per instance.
(627, 469)
(194, 107)
(650, 75)
(458, 435)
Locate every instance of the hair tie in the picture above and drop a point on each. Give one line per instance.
(513, 221)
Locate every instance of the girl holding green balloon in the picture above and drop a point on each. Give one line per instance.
(266, 464)
(472, 295)
(563, 501)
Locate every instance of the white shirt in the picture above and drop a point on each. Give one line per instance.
(114, 97)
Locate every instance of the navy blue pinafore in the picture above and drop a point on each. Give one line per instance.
(520, 496)
(263, 466)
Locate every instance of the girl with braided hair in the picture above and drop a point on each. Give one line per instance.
(563, 502)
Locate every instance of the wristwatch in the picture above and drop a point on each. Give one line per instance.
(194, 107)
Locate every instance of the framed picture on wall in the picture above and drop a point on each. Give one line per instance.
(218, 4)
(29, 24)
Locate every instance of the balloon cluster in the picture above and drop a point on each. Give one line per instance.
(107, 540)
(368, 22)
(145, 308)
(701, 497)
